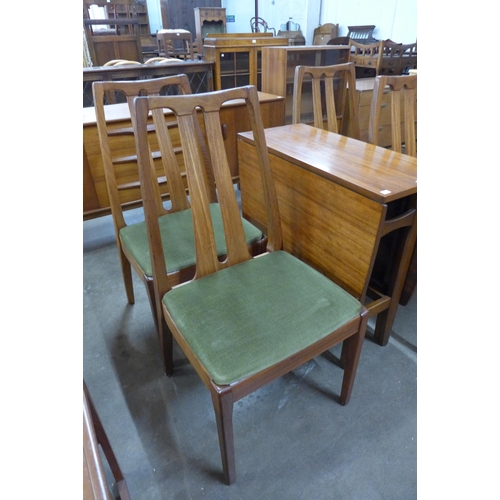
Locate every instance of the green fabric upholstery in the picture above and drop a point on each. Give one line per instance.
(178, 239)
(248, 317)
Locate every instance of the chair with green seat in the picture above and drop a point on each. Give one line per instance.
(244, 321)
(167, 167)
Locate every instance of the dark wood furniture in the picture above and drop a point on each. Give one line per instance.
(322, 34)
(244, 322)
(208, 20)
(338, 198)
(279, 63)
(95, 196)
(200, 75)
(122, 39)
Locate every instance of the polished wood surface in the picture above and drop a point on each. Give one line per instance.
(96, 199)
(350, 330)
(337, 197)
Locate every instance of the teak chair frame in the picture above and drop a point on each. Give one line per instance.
(171, 173)
(403, 90)
(351, 333)
(344, 77)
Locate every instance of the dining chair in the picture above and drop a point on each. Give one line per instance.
(167, 163)
(403, 90)
(175, 43)
(330, 96)
(95, 483)
(244, 321)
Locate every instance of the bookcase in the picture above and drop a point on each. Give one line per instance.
(237, 59)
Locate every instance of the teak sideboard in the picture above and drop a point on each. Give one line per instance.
(95, 194)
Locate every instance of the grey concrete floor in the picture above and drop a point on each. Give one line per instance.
(292, 438)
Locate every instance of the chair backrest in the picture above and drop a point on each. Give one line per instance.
(175, 43)
(325, 32)
(258, 25)
(403, 118)
(338, 40)
(210, 104)
(330, 93)
(167, 161)
(122, 40)
(365, 55)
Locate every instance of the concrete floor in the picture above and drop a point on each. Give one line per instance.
(293, 440)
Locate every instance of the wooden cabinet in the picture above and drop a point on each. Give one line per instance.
(208, 20)
(141, 9)
(237, 60)
(278, 67)
(95, 194)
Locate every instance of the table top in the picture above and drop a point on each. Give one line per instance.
(375, 172)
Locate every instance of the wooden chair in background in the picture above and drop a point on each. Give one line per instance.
(175, 43)
(322, 34)
(95, 484)
(122, 40)
(403, 91)
(168, 165)
(330, 94)
(366, 55)
(244, 321)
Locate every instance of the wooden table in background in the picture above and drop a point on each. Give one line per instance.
(335, 195)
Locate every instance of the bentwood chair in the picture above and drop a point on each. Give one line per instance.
(330, 96)
(244, 321)
(167, 163)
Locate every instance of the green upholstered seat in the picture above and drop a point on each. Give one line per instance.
(178, 239)
(248, 317)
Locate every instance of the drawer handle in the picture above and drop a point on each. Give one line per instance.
(383, 105)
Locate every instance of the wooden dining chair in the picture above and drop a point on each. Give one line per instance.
(403, 124)
(175, 43)
(241, 322)
(330, 96)
(167, 163)
(403, 90)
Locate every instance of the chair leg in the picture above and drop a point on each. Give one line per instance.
(351, 351)
(127, 277)
(223, 407)
(166, 342)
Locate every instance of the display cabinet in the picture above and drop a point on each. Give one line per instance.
(279, 63)
(237, 59)
(208, 20)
